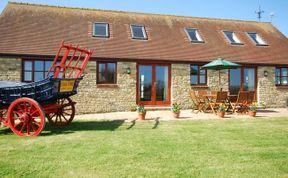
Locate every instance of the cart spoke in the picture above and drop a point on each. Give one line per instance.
(52, 115)
(23, 127)
(67, 113)
(64, 117)
(33, 127)
(28, 129)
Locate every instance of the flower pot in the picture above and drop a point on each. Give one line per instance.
(252, 113)
(141, 115)
(221, 114)
(176, 114)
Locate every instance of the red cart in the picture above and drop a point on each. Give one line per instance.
(24, 106)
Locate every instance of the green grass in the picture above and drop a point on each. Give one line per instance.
(209, 148)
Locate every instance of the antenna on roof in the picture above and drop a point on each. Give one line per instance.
(272, 15)
(259, 12)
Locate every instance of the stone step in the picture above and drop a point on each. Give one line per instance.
(157, 108)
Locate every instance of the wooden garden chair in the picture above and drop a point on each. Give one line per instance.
(250, 97)
(221, 98)
(241, 103)
(197, 103)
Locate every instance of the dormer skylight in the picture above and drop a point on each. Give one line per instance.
(233, 39)
(101, 29)
(138, 32)
(194, 35)
(255, 37)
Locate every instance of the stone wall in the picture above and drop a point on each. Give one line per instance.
(267, 91)
(10, 69)
(98, 98)
(180, 85)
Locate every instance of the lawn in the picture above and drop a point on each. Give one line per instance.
(208, 148)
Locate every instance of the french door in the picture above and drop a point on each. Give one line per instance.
(242, 79)
(153, 84)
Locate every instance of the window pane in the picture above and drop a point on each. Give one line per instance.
(194, 70)
(253, 36)
(27, 76)
(277, 72)
(101, 77)
(111, 78)
(111, 67)
(202, 79)
(102, 68)
(38, 76)
(229, 36)
(235, 81)
(100, 29)
(48, 65)
(284, 72)
(277, 81)
(138, 31)
(39, 65)
(249, 79)
(27, 65)
(194, 79)
(202, 72)
(284, 80)
(145, 82)
(192, 34)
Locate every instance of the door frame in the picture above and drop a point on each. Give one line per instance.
(242, 79)
(153, 101)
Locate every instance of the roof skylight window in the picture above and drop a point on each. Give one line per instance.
(231, 36)
(194, 35)
(257, 39)
(101, 29)
(138, 32)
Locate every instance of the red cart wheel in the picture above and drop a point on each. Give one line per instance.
(64, 114)
(26, 117)
(3, 117)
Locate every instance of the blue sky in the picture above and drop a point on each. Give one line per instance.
(228, 9)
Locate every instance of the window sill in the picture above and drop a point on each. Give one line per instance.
(282, 86)
(199, 86)
(107, 86)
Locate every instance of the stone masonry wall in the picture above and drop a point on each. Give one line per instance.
(267, 91)
(180, 85)
(10, 69)
(92, 98)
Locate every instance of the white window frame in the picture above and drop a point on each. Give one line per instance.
(234, 36)
(197, 34)
(107, 30)
(257, 36)
(143, 31)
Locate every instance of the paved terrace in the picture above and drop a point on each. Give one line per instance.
(185, 115)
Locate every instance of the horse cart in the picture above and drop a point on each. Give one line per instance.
(24, 106)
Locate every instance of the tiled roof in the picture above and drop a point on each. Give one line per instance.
(38, 29)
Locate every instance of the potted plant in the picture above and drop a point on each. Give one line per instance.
(141, 112)
(253, 109)
(221, 110)
(176, 109)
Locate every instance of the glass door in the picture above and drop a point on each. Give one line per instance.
(153, 86)
(242, 79)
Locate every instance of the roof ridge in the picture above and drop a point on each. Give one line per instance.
(140, 13)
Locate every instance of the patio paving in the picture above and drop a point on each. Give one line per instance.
(185, 115)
